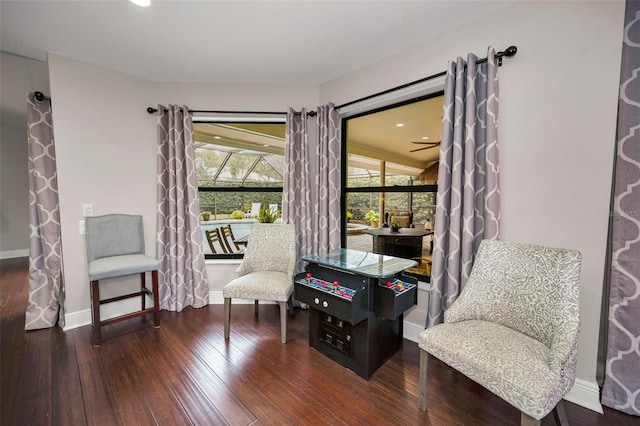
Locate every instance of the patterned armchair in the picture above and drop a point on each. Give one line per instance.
(514, 327)
(266, 272)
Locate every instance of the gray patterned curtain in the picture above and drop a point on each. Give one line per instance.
(621, 388)
(314, 209)
(468, 199)
(46, 295)
(182, 276)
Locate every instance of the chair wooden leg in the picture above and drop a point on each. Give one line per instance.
(526, 420)
(95, 312)
(255, 308)
(143, 285)
(227, 316)
(560, 414)
(422, 392)
(156, 299)
(283, 321)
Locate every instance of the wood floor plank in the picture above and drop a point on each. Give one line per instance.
(66, 384)
(227, 404)
(99, 405)
(130, 399)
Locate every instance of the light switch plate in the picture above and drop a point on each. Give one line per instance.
(87, 210)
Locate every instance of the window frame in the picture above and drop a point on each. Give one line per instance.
(239, 188)
(408, 189)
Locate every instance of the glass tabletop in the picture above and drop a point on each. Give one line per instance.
(362, 262)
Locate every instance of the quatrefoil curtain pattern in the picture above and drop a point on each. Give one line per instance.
(46, 295)
(313, 204)
(468, 199)
(621, 296)
(182, 277)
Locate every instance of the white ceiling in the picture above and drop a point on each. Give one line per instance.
(268, 42)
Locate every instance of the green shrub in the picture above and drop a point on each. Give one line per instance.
(237, 214)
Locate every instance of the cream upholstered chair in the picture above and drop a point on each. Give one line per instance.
(514, 327)
(266, 271)
(115, 248)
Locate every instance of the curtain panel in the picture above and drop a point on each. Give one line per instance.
(314, 209)
(621, 388)
(182, 277)
(45, 307)
(468, 198)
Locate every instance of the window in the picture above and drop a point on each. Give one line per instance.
(389, 154)
(239, 166)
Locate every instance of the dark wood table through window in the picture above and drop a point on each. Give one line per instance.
(406, 243)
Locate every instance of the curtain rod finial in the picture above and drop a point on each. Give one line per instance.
(510, 51)
(151, 110)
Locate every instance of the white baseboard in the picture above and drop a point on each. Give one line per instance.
(81, 318)
(11, 254)
(585, 394)
(411, 330)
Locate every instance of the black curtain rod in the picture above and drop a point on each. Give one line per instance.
(152, 110)
(508, 52)
(39, 97)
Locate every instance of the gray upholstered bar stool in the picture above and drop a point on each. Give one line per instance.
(115, 248)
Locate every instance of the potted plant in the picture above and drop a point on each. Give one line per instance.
(395, 226)
(205, 215)
(349, 216)
(265, 215)
(373, 218)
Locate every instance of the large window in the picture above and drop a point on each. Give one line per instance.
(391, 154)
(240, 167)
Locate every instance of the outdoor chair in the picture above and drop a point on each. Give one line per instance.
(216, 243)
(115, 248)
(514, 328)
(255, 209)
(226, 233)
(266, 272)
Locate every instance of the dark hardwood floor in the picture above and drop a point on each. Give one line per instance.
(185, 373)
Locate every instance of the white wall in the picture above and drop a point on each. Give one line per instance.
(18, 76)
(558, 107)
(106, 147)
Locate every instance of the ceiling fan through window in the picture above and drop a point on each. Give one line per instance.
(428, 145)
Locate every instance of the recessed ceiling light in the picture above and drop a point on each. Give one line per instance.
(424, 138)
(400, 125)
(143, 3)
(217, 137)
(266, 144)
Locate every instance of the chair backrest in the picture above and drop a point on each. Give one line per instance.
(273, 209)
(404, 219)
(271, 247)
(531, 289)
(113, 235)
(226, 233)
(215, 240)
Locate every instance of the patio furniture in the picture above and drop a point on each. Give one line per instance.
(255, 209)
(115, 248)
(233, 246)
(273, 209)
(514, 328)
(216, 243)
(266, 272)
